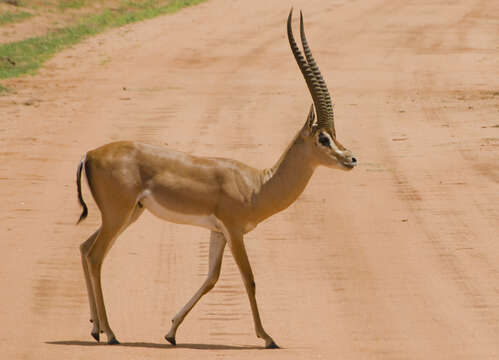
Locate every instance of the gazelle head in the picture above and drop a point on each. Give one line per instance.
(319, 134)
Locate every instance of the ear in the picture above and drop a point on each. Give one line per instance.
(310, 123)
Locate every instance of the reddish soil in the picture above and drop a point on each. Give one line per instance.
(397, 259)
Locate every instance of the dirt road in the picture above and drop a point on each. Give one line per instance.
(397, 259)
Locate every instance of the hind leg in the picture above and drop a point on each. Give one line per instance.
(84, 249)
(94, 258)
(109, 231)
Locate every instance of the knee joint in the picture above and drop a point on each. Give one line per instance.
(84, 248)
(210, 284)
(94, 264)
(252, 286)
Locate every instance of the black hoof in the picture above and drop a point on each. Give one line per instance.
(113, 341)
(272, 345)
(171, 340)
(96, 336)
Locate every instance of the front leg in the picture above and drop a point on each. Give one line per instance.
(217, 246)
(236, 244)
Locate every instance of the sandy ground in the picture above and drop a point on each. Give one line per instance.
(397, 259)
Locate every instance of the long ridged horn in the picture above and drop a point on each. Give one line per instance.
(329, 114)
(308, 74)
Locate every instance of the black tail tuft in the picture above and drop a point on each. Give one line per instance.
(80, 196)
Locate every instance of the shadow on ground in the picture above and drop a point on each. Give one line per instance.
(157, 346)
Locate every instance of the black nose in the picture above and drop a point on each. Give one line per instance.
(354, 160)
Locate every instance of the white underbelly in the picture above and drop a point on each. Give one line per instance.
(208, 221)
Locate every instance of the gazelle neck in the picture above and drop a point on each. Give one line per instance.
(286, 180)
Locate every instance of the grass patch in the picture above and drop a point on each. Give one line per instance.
(3, 90)
(13, 2)
(70, 4)
(12, 17)
(26, 56)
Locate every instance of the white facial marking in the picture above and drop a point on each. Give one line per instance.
(332, 144)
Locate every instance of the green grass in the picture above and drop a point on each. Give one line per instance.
(70, 4)
(26, 56)
(3, 90)
(11, 17)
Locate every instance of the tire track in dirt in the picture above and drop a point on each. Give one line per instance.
(464, 269)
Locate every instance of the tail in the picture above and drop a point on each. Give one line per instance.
(80, 196)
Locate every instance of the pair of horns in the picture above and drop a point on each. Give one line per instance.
(315, 82)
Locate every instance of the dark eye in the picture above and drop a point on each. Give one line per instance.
(324, 140)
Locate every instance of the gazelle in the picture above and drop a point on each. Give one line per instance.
(225, 196)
